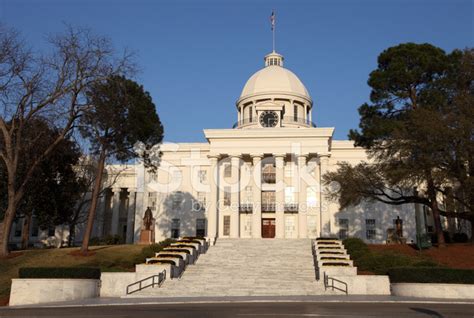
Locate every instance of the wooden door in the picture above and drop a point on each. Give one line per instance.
(268, 228)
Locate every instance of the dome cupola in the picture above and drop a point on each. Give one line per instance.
(274, 94)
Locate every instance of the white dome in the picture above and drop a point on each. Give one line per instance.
(274, 79)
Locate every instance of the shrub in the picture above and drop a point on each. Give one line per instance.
(460, 238)
(438, 275)
(356, 247)
(95, 241)
(380, 263)
(59, 272)
(426, 263)
(150, 250)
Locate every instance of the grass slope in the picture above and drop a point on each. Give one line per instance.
(108, 258)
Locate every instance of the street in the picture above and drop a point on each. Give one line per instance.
(278, 309)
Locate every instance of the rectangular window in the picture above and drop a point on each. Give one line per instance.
(250, 113)
(226, 225)
(202, 174)
(248, 194)
(175, 227)
(176, 175)
(227, 171)
(370, 229)
(227, 196)
(343, 228)
(200, 227)
(52, 231)
(177, 200)
(268, 201)
(18, 225)
(34, 227)
(201, 196)
(152, 200)
(295, 113)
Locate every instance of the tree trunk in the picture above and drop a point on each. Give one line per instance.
(95, 197)
(25, 231)
(7, 226)
(434, 208)
(437, 224)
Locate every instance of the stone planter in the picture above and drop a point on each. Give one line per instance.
(29, 291)
(424, 290)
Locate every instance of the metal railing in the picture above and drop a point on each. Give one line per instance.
(156, 280)
(268, 207)
(286, 120)
(246, 208)
(299, 120)
(327, 285)
(291, 207)
(244, 121)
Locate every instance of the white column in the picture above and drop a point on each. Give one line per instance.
(257, 196)
(302, 205)
(279, 196)
(100, 217)
(235, 197)
(212, 220)
(323, 205)
(115, 210)
(131, 214)
(139, 214)
(310, 116)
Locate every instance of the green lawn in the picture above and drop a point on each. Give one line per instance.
(108, 258)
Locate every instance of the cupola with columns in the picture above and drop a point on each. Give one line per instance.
(274, 97)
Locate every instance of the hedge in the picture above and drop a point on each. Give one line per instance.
(59, 272)
(438, 275)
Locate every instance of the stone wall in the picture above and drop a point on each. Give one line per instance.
(45, 290)
(459, 291)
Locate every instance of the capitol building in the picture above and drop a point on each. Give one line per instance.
(259, 179)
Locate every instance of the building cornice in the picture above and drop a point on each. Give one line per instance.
(273, 133)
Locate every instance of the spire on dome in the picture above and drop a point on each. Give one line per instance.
(274, 59)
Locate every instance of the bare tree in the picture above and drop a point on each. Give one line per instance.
(50, 86)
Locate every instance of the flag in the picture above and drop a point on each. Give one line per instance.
(272, 20)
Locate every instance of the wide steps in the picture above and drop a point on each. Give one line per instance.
(247, 267)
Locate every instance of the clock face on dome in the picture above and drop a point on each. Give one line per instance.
(269, 119)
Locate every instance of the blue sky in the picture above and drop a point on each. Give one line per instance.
(195, 56)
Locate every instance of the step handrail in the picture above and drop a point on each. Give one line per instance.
(160, 278)
(326, 283)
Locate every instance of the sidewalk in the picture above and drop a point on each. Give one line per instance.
(126, 301)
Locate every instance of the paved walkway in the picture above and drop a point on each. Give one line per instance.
(259, 310)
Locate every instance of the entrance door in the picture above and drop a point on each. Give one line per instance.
(268, 228)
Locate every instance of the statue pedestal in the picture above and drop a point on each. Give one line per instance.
(147, 237)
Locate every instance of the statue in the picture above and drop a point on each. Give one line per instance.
(147, 234)
(398, 227)
(147, 220)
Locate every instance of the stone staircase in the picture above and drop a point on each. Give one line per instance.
(247, 267)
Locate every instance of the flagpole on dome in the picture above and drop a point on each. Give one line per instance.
(272, 21)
